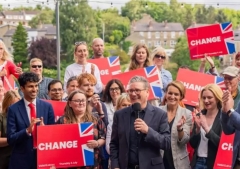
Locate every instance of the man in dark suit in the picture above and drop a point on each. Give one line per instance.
(23, 118)
(136, 142)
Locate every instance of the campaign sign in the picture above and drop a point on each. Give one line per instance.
(107, 67)
(194, 82)
(151, 73)
(58, 108)
(224, 155)
(64, 145)
(212, 40)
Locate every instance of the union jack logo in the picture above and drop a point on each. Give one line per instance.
(226, 29)
(220, 82)
(86, 130)
(114, 64)
(152, 73)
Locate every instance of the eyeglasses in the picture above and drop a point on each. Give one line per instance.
(79, 101)
(36, 66)
(114, 89)
(159, 56)
(56, 90)
(80, 43)
(229, 78)
(136, 91)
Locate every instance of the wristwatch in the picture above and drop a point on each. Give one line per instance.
(230, 111)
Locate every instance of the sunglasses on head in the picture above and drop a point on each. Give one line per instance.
(159, 56)
(35, 66)
(80, 43)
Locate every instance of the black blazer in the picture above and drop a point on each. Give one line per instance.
(213, 136)
(158, 137)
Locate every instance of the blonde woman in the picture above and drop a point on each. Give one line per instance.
(10, 98)
(159, 57)
(7, 67)
(180, 123)
(140, 58)
(76, 112)
(82, 66)
(122, 101)
(207, 128)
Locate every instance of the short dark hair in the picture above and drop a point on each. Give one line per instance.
(71, 79)
(54, 81)
(106, 94)
(27, 77)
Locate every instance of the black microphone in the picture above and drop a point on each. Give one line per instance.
(136, 108)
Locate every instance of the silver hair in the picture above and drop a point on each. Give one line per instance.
(139, 79)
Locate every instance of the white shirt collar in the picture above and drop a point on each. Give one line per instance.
(27, 102)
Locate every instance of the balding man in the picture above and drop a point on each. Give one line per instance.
(98, 48)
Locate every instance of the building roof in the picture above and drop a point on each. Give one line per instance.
(12, 12)
(31, 12)
(9, 33)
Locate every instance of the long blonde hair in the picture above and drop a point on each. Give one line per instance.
(6, 53)
(133, 63)
(69, 115)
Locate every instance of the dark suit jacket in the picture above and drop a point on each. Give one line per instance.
(158, 137)
(213, 141)
(23, 156)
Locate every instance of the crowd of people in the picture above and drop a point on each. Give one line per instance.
(163, 134)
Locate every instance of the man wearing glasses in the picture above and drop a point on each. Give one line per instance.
(36, 66)
(136, 142)
(231, 80)
(55, 90)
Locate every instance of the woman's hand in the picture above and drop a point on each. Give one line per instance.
(196, 118)
(204, 124)
(3, 72)
(92, 144)
(181, 122)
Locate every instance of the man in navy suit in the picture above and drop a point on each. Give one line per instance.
(21, 123)
(136, 141)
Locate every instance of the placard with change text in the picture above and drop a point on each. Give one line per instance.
(64, 145)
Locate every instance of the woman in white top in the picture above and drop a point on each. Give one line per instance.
(207, 129)
(113, 90)
(82, 66)
(122, 101)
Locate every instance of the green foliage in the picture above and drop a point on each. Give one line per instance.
(118, 35)
(44, 17)
(19, 43)
(126, 45)
(1, 8)
(77, 23)
(21, 8)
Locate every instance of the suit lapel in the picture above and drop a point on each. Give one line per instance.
(149, 114)
(126, 118)
(178, 116)
(23, 112)
(215, 122)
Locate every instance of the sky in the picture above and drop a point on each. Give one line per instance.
(235, 4)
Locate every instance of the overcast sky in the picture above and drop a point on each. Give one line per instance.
(118, 3)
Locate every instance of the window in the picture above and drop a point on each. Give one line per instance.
(142, 41)
(149, 35)
(172, 43)
(149, 44)
(165, 43)
(141, 33)
(165, 35)
(157, 35)
(32, 38)
(157, 43)
(180, 33)
(172, 34)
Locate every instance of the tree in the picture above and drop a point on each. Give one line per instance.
(118, 35)
(44, 17)
(77, 23)
(19, 43)
(44, 49)
(1, 8)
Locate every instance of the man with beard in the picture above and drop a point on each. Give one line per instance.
(86, 83)
(23, 118)
(98, 48)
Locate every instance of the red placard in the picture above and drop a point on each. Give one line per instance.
(58, 108)
(194, 82)
(64, 146)
(107, 67)
(151, 73)
(224, 155)
(212, 40)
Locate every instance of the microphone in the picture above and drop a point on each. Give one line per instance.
(136, 108)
